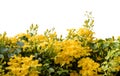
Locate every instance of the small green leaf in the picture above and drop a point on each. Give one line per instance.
(20, 43)
(17, 51)
(3, 50)
(51, 70)
(1, 56)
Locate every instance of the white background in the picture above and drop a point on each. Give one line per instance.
(17, 15)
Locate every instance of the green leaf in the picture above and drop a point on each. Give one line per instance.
(17, 51)
(62, 71)
(10, 55)
(51, 70)
(1, 56)
(3, 50)
(20, 43)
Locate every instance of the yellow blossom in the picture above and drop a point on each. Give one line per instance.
(19, 66)
(74, 73)
(70, 49)
(89, 67)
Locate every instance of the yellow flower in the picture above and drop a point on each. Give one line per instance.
(23, 34)
(74, 73)
(13, 40)
(86, 33)
(33, 73)
(70, 49)
(89, 67)
(19, 66)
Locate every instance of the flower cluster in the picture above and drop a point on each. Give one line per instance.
(70, 49)
(22, 66)
(89, 67)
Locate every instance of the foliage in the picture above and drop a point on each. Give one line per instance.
(78, 54)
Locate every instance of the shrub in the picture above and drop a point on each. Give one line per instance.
(78, 54)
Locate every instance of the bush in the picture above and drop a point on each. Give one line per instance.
(78, 54)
